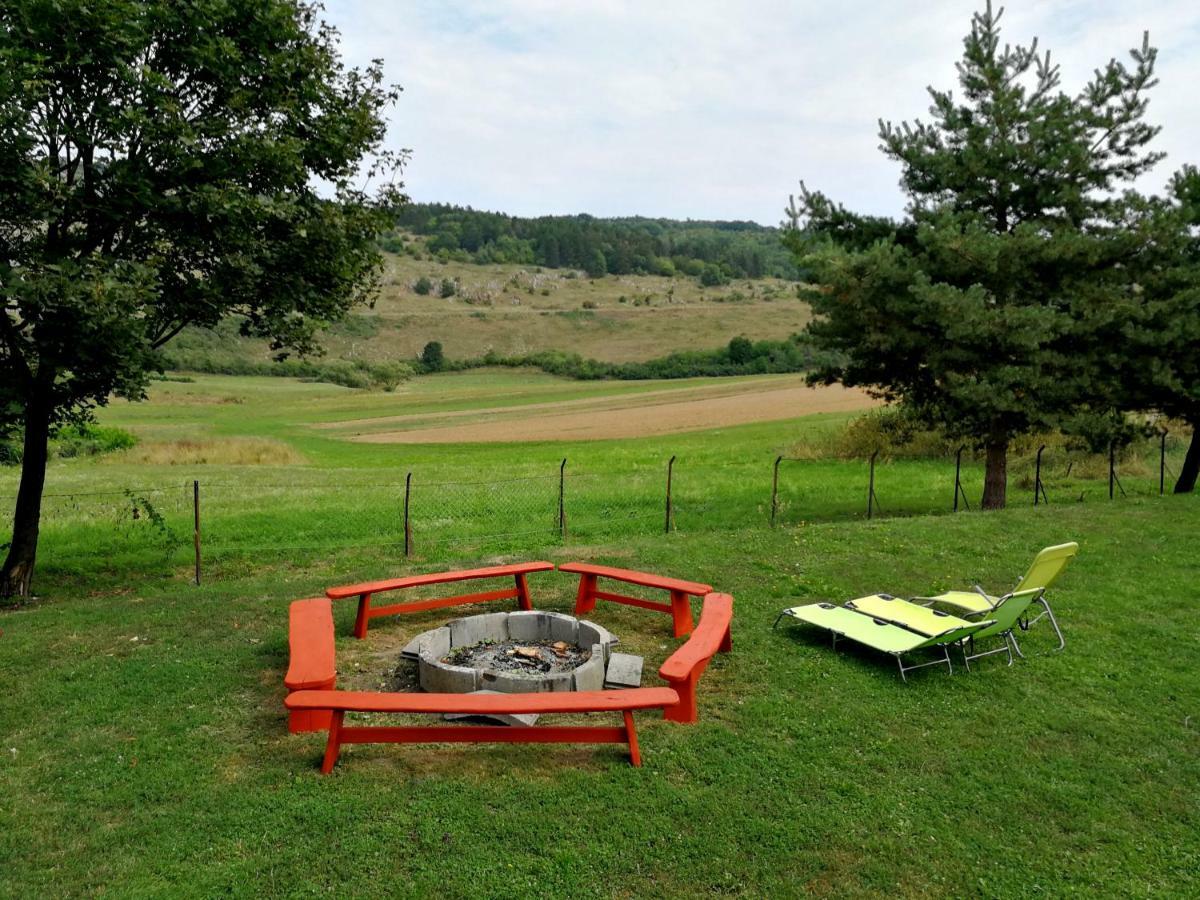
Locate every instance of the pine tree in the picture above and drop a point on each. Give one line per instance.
(976, 310)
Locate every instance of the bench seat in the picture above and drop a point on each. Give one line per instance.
(311, 664)
(365, 591)
(680, 590)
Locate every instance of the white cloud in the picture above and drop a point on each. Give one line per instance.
(708, 109)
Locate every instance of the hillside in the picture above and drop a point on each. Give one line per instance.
(517, 309)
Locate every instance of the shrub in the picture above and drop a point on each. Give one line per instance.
(448, 288)
(432, 357)
(422, 286)
(590, 304)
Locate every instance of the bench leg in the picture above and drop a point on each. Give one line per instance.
(585, 600)
(364, 614)
(334, 746)
(635, 755)
(523, 600)
(681, 612)
(685, 710)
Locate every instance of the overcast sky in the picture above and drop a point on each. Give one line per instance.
(710, 110)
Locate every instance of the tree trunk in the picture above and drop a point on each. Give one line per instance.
(995, 478)
(17, 573)
(1186, 482)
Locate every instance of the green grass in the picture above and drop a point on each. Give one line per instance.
(144, 748)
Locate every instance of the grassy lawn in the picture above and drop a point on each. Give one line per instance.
(145, 748)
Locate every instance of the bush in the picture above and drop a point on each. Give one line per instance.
(448, 288)
(590, 304)
(432, 357)
(422, 286)
(712, 276)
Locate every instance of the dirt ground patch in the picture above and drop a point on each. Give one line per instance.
(637, 417)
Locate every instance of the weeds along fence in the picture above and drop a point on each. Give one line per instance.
(408, 514)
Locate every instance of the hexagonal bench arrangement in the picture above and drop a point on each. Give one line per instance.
(318, 708)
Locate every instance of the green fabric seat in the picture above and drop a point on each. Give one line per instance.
(912, 616)
(881, 635)
(1045, 569)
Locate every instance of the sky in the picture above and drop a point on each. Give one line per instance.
(711, 110)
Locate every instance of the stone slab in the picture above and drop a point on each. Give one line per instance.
(493, 718)
(624, 671)
(504, 683)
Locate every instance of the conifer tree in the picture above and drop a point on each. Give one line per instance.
(976, 309)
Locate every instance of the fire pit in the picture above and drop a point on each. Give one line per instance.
(517, 652)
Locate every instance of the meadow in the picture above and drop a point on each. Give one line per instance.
(145, 750)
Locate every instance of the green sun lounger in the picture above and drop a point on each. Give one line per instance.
(1043, 572)
(924, 620)
(884, 636)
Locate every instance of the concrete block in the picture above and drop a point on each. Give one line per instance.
(471, 630)
(508, 683)
(443, 679)
(590, 675)
(563, 628)
(560, 681)
(590, 633)
(624, 671)
(528, 626)
(493, 718)
(435, 642)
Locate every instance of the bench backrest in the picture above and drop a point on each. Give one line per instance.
(707, 638)
(311, 645)
(1047, 566)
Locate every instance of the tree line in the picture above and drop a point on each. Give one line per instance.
(713, 251)
(1028, 287)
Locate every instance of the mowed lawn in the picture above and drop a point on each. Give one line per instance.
(144, 745)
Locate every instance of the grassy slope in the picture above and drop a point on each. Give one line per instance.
(502, 308)
(162, 765)
(145, 749)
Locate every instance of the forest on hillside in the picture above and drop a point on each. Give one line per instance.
(711, 251)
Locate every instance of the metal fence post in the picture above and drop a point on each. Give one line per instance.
(1038, 487)
(1162, 461)
(958, 488)
(407, 520)
(562, 506)
(670, 468)
(196, 525)
(775, 491)
(871, 488)
(1112, 467)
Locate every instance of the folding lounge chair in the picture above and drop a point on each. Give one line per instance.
(1004, 617)
(882, 635)
(1046, 568)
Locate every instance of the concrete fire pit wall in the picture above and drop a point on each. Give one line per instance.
(430, 647)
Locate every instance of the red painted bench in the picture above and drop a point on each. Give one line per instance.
(364, 592)
(680, 606)
(678, 702)
(311, 666)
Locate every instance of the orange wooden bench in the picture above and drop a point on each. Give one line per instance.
(680, 606)
(678, 702)
(364, 592)
(311, 666)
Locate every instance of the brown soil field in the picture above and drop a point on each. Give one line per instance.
(641, 415)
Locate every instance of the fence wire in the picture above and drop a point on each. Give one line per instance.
(398, 513)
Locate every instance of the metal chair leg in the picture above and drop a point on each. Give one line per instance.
(1053, 622)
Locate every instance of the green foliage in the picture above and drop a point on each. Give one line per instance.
(422, 286)
(629, 245)
(985, 310)
(741, 351)
(432, 357)
(712, 276)
(447, 289)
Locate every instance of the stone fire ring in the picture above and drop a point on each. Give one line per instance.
(430, 647)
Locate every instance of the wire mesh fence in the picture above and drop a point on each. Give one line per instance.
(409, 514)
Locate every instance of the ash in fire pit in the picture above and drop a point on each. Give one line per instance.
(515, 656)
(518, 652)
